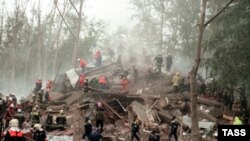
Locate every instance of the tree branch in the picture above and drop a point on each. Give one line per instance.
(74, 7)
(216, 15)
(72, 33)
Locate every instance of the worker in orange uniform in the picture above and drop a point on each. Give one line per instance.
(82, 64)
(124, 84)
(103, 82)
(81, 80)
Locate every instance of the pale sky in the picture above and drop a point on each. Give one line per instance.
(113, 12)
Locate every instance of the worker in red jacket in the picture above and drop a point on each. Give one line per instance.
(14, 133)
(81, 80)
(49, 84)
(98, 58)
(82, 64)
(10, 113)
(124, 84)
(103, 82)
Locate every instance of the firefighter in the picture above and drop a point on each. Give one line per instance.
(81, 80)
(14, 133)
(46, 95)
(10, 113)
(61, 120)
(88, 128)
(39, 134)
(34, 116)
(86, 85)
(124, 84)
(20, 117)
(158, 62)
(176, 82)
(100, 117)
(154, 135)
(135, 129)
(82, 64)
(49, 120)
(103, 82)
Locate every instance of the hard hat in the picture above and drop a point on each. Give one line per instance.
(12, 105)
(13, 123)
(19, 110)
(61, 112)
(38, 126)
(78, 59)
(49, 110)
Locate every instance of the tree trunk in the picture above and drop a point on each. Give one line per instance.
(77, 44)
(194, 112)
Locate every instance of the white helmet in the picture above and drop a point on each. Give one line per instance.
(78, 59)
(61, 111)
(49, 110)
(19, 110)
(38, 126)
(13, 123)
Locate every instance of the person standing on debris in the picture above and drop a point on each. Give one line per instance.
(86, 86)
(81, 80)
(46, 96)
(124, 84)
(135, 129)
(61, 120)
(2, 112)
(95, 135)
(169, 62)
(158, 62)
(98, 58)
(135, 73)
(173, 129)
(39, 96)
(10, 113)
(49, 120)
(154, 135)
(38, 85)
(82, 64)
(100, 117)
(14, 133)
(176, 82)
(49, 85)
(26, 131)
(39, 134)
(20, 117)
(34, 116)
(103, 82)
(87, 128)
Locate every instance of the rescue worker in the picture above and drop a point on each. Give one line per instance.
(135, 74)
(82, 64)
(19, 106)
(169, 62)
(95, 135)
(81, 80)
(61, 120)
(46, 95)
(173, 129)
(9, 101)
(87, 128)
(154, 135)
(2, 111)
(176, 82)
(86, 85)
(158, 62)
(10, 113)
(34, 116)
(237, 121)
(135, 129)
(98, 58)
(14, 133)
(20, 117)
(94, 83)
(49, 120)
(124, 84)
(39, 96)
(39, 134)
(26, 131)
(38, 85)
(100, 118)
(103, 82)
(49, 85)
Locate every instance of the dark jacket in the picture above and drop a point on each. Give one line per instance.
(39, 135)
(100, 115)
(95, 136)
(61, 120)
(20, 117)
(49, 119)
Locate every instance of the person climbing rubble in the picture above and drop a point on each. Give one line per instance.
(14, 133)
(20, 117)
(87, 128)
(34, 116)
(61, 120)
(158, 62)
(135, 129)
(154, 135)
(39, 133)
(49, 120)
(98, 58)
(82, 64)
(46, 96)
(173, 129)
(103, 82)
(176, 82)
(10, 113)
(100, 117)
(124, 84)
